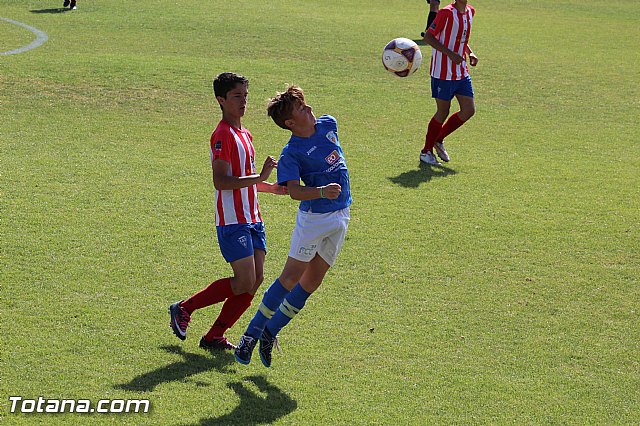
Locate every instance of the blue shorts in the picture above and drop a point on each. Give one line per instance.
(241, 240)
(447, 89)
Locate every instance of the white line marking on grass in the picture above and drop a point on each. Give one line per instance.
(41, 38)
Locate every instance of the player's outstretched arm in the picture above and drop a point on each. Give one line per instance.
(301, 193)
(224, 180)
(272, 188)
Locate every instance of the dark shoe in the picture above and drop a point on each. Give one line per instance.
(66, 3)
(244, 349)
(217, 344)
(180, 319)
(267, 342)
(72, 6)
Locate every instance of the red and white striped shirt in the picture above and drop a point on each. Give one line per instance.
(233, 145)
(452, 29)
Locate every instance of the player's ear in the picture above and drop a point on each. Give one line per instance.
(220, 100)
(289, 123)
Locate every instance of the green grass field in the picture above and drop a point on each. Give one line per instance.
(501, 288)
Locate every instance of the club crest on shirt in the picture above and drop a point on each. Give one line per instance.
(217, 147)
(332, 137)
(243, 241)
(333, 157)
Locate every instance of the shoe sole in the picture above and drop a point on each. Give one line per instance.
(432, 164)
(174, 326)
(443, 158)
(240, 360)
(264, 362)
(217, 347)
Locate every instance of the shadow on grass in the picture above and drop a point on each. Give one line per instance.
(420, 42)
(177, 371)
(255, 409)
(54, 10)
(426, 172)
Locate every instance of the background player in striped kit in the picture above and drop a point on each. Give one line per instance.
(239, 225)
(449, 36)
(314, 156)
(434, 5)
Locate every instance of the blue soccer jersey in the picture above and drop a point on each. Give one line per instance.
(318, 161)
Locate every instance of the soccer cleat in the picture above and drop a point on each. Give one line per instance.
(217, 344)
(267, 342)
(442, 153)
(429, 158)
(179, 320)
(244, 349)
(66, 3)
(72, 6)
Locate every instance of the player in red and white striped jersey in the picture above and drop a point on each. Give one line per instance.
(234, 146)
(449, 36)
(241, 234)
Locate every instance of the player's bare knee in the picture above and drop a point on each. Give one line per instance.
(471, 112)
(467, 113)
(441, 115)
(288, 280)
(244, 284)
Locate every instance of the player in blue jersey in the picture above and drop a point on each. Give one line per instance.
(313, 155)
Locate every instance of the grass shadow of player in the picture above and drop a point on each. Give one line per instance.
(54, 10)
(177, 371)
(255, 408)
(425, 172)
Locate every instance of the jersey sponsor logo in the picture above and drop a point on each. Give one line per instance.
(217, 147)
(334, 166)
(332, 137)
(333, 157)
(311, 150)
(243, 241)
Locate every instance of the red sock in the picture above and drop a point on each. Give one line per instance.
(432, 135)
(452, 124)
(231, 311)
(216, 292)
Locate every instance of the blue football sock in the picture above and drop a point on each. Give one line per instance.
(272, 298)
(290, 306)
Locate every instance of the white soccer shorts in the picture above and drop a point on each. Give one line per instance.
(321, 233)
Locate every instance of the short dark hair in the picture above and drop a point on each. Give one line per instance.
(226, 81)
(282, 104)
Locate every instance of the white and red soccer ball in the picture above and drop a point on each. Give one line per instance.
(402, 57)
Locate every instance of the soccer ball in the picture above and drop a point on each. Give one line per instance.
(401, 57)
